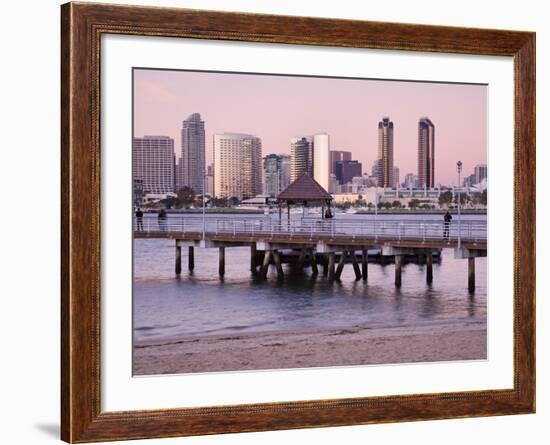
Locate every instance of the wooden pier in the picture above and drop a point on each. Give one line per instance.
(329, 245)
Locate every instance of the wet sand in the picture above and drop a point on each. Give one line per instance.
(446, 341)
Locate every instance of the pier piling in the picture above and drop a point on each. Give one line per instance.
(278, 265)
(324, 261)
(330, 266)
(365, 263)
(191, 258)
(313, 260)
(301, 260)
(341, 263)
(429, 268)
(265, 264)
(355, 264)
(398, 266)
(253, 258)
(471, 274)
(178, 260)
(221, 267)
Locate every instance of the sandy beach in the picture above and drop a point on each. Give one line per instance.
(441, 341)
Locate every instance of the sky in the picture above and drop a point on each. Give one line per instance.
(277, 108)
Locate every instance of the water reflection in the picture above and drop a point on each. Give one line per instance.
(202, 303)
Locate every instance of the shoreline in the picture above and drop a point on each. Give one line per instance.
(352, 346)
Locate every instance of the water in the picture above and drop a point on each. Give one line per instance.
(201, 303)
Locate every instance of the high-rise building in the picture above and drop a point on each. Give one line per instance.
(333, 184)
(346, 170)
(154, 163)
(410, 181)
(301, 157)
(210, 180)
(321, 159)
(178, 175)
(480, 172)
(237, 165)
(285, 171)
(469, 181)
(273, 173)
(385, 152)
(338, 155)
(395, 177)
(376, 171)
(192, 161)
(426, 153)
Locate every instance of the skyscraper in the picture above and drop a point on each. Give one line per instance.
(321, 159)
(192, 162)
(338, 155)
(237, 165)
(376, 170)
(411, 181)
(480, 172)
(272, 175)
(385, 152)
(153, 163)
(346, 170)
(395, 177)
(209, 180)
(426, 152)
(301, 157)
(285, 170)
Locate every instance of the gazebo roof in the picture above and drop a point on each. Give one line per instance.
(304, 188)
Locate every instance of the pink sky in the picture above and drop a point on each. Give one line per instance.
(276, 108)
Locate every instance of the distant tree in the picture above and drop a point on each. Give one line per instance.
(413, 203)
(484, 197)
(169, 202)
(445, 198)
(218, 202)
(396, 204)
(464, 198)
(233, 201)
(186, 195)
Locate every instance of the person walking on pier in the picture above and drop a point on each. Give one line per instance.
(446, 223)
(162, 220)
(139, 220)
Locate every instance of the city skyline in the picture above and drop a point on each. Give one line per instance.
(277, 108)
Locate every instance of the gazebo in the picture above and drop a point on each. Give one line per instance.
(305, 190)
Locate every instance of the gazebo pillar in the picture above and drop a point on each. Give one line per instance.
(288, 214)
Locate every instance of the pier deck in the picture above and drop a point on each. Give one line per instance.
(319, 241)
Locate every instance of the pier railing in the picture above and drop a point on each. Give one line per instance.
(472, 231)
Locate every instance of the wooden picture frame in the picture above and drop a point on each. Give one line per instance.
(82, 26)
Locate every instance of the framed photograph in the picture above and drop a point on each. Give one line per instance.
(274, 222)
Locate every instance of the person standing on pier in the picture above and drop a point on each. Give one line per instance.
(139, 219)
(162, 220)
(446, 223)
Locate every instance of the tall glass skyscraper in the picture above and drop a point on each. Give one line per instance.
(385, 152)
(153, 164)
(273, 175)
(237, 165)
(301, 157)
(192, 161)
(426, 153)
(321, 159)
(338, 155)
